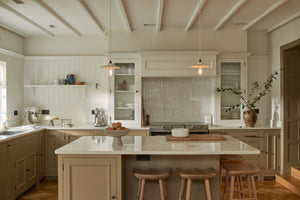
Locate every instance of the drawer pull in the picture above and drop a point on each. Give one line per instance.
(113, 197)
(253, 136)
(27, 170)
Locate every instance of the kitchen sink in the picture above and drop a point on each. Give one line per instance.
(8, 133)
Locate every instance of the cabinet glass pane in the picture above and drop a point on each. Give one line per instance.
(124, 105)
(230, 78)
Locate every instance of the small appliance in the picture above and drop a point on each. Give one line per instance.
(99, 117)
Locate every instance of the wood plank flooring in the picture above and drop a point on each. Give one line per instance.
(48, 189)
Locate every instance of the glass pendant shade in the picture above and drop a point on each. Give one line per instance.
(200, 65)
(111, 67)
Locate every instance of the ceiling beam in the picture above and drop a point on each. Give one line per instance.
(234, 10)
(195, 14)
(124, 15)
(284, 22)
(57, 16)
(159, 14)
(26, 19)
(264, 14)
(84, 7)
(13, 30)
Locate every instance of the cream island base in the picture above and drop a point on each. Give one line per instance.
(90, 168)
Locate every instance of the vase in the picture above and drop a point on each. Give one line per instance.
(250, 118)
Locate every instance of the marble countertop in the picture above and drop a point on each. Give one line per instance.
(258, 127)
(139, 145)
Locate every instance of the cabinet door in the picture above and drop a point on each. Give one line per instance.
(125, 93)
(40, 154)
(20, 172)
(71, 136)
(232, 75)
(90, 178)
(53, 140)
(31, 166)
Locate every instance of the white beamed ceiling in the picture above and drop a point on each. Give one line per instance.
(176, 15)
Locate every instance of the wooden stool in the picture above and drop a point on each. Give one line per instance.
(152, 174)
(237, 170)
(229, 159)
(195, 174)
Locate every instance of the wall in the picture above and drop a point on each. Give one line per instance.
(67, 103)
(276, 39)
(122, 41)
(259, 70)
(178, 99)
(11, 46)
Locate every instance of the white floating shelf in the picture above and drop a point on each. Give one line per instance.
(55, 86)
(124, 91)
(124, 108)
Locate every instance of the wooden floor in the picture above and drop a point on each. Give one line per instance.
(269, 190)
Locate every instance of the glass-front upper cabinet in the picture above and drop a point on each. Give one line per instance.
(125, 94)
(232, 74)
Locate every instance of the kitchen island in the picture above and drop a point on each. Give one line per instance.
(91, 168)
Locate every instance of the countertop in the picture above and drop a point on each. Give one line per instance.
(140, 145)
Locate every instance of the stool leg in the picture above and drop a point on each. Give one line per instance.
(181, 189)
(165, 189)
(238, 186)
(248, 186)
(253, 187)
(188, 190)
(208, 195)
(142, 189)
(161, 188)
(231, 187)
(225, 186)
(220, 175)
(241, 186)
(139, 189)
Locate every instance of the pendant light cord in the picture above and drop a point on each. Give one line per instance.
(109, 30)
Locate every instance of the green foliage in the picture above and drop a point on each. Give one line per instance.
(256, 90)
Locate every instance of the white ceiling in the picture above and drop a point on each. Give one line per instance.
(91, 17)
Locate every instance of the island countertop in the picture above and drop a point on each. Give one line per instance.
(140, 145)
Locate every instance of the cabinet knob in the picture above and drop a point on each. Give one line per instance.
(8, 145)
(27, 170)
(113, 197)
(136, 91)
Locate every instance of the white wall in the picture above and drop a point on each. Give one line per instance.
(122, 41)
(11, 46)
(71, 103)
(276, 39)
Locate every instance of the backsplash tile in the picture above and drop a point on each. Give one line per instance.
(178, 99)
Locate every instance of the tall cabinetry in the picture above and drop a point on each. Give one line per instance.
(232, 73)
(125, 95)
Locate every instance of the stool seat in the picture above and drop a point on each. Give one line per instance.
(240, 169)
(151, 174)
(197, 174)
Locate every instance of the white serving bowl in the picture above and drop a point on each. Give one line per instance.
(180, 132)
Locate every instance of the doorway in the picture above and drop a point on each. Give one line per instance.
(290, 105)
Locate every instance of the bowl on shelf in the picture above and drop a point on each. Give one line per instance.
(116, 134)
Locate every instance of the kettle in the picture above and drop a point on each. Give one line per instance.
(99, 117)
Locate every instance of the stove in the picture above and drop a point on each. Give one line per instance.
(165, 128)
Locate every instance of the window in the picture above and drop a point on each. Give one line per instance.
(3, 112)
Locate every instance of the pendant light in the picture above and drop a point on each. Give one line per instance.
(110, 66)
(200, 65)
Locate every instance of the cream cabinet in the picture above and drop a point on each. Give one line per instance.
(72, 135)
(176, 63)
(232, 73)
(20, 164)
(125, 91)
(89, 177)
(267, 141)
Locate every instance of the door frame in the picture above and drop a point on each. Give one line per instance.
(283, 48)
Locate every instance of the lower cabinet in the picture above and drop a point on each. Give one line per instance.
(89, 177)
(267, 141)
(20, 164)
(53, 140)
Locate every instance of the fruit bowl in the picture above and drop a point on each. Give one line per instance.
(116, 134)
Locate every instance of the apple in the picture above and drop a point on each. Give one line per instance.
(110, 128)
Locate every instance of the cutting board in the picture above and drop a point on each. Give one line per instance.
(191, 137)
